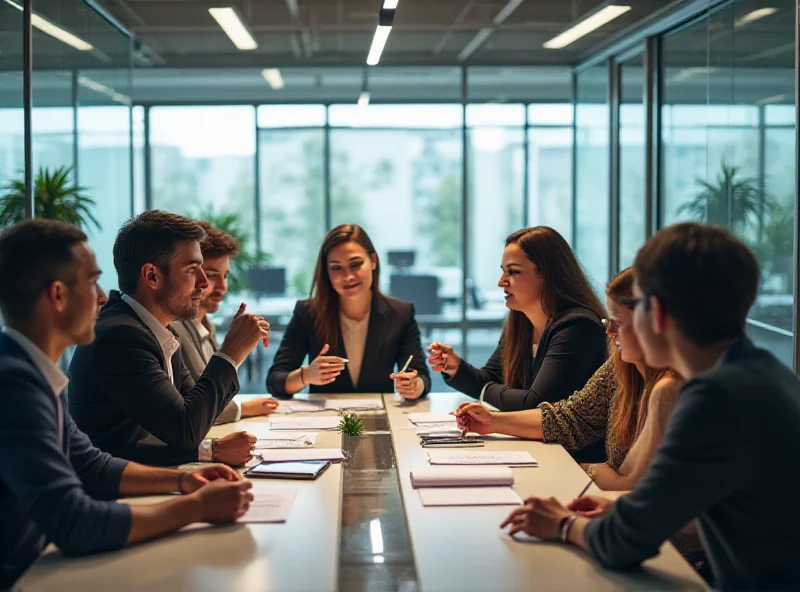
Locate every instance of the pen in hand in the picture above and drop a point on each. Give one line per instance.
(405, 366)
(585, 489)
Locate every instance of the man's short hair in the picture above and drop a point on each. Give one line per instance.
(151, 237)
(33, 254)
(706, 278)
(217, 243)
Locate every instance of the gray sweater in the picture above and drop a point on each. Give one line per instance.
(727, 459)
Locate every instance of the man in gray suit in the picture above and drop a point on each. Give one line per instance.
(198, 336)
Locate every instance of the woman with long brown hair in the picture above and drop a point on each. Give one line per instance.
(626, 401)
(352, 333)
(553, 339)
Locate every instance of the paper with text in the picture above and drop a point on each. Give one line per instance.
(352, 404)
(423, 418)
(278, 439)
(469, 457)
(468, 496)
(316, 422)
(270, 505)
(295, 454)
(299, 406)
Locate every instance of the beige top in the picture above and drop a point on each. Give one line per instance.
(354, 335)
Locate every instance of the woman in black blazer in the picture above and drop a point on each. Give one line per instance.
(354, 335)
(553, 339)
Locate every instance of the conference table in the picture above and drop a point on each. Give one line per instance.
(362, 526)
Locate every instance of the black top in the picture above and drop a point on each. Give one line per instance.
(120, 391)
(728, 458)
(571, 349)
(51, 488)
(392, 336)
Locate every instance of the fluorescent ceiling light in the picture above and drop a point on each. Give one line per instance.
(103, 89)
(586, 26)
(230, 22)
(772, 99)
(390, 4)
(363, 99)
(755, 15)
(378, 43)
(273, 77)
(57, 32)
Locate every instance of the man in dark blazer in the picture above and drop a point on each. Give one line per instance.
(198, 336)
(54, 485)
(728, 454)
(129, 390)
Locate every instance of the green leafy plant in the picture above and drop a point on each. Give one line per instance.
(248, 255)
(351, 424)
(731, 200)
(55, 196)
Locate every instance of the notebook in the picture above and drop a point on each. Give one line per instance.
(468, 496)
(453, 476)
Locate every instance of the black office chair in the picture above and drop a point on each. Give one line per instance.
(267, 281)
(421, 290)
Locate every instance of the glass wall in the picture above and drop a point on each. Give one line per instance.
(12, 139)
(592, 148)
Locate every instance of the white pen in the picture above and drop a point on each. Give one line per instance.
(408, 361)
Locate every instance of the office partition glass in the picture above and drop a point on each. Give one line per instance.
(12, 133)
(396, 170)
(550, 167)
(632, 136)
(592, 147)
(496, 175)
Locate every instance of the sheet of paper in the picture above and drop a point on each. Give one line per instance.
(277, 439)
(461, 476)
(316, 422)
(471, 457)
(299, 406)
(294, 454)
(448, 428)
(422, 418)
(270, 505)
(468, 496)
(352, 404)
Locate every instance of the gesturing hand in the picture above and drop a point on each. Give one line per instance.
(324, 369)
(591, 506)
(405, 383)
(474, 417)
(538, 517)
(443, 358)
(260, 406)
(194, 480)
(245, 332)
(236, 449)
(222, 501)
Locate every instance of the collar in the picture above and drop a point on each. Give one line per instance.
(165, 338)
(55, 378)
(202, 330)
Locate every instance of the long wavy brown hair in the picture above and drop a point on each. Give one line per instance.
(564, 286)
(629, 411)
(324, 300)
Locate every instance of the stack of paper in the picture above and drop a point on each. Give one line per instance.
(275, 439)
(439, 429)
(424, 418)
(324, 422)
(465, 486)
(270, 505)
(517, 458)
(301, 454)
(299, 406)
(353, 404)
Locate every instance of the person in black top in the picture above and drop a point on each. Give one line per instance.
(553, 339)
(728, 454)
(352, 333)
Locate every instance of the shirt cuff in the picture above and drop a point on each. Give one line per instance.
(205, 453)
(238, 409)
(228, 358)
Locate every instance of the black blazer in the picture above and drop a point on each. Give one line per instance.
(51, 489)
(120, 391)
(392, 336)
(728, 459)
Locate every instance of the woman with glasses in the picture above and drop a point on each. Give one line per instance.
(626, 402)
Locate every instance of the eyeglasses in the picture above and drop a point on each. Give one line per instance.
(631, 302)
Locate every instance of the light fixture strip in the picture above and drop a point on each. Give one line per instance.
(363, 99)
(390, 4)
(378, 43)
(273, 78)
(230, 22)
(55, 31)
(586, 26)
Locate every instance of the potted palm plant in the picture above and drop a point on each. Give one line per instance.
(56, 197)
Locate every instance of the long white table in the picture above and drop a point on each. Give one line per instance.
(462, 548)
(453, 548)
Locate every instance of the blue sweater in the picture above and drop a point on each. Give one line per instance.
(50, 491)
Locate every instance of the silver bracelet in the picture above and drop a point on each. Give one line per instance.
(566, 523)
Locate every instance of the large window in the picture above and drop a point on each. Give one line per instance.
(396, 170)
(592, 148)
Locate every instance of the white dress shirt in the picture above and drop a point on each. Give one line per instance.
(55, 378)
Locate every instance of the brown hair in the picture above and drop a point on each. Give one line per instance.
(34, 254)
(564, 285)
(324, 302)
(629, 411)
(217, 243)
(705, 278)
(150, 237)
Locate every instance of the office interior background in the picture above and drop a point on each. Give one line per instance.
(674, 111)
